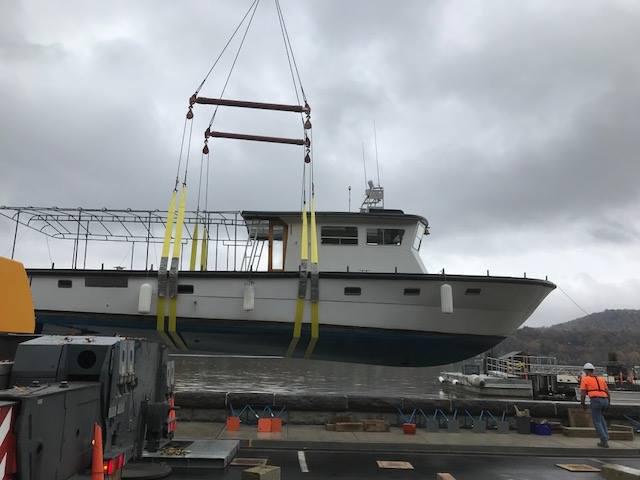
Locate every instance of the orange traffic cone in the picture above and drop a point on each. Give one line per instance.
(97, 459)
(172, 420)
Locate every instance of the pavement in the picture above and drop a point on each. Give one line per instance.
(310, 453)
(314, 437)
(363, 466)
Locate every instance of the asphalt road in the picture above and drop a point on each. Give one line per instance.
(361, 465)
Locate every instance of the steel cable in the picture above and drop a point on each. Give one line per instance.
(235, 59)
(225, 47)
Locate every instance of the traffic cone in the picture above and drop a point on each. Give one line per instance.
(97, 458)
(172, 420)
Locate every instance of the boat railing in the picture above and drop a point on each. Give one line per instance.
(233, 243)
(525, 365)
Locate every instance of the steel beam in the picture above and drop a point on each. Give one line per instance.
(258, 105)
(257, 138)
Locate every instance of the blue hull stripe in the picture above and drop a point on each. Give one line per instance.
(231, 337)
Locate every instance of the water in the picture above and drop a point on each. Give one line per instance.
(282, 375)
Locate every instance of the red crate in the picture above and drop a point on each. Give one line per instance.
(409, 428)
(233, 424)
(276, 425)
(264, 425)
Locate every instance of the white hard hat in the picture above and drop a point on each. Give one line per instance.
(588, 366)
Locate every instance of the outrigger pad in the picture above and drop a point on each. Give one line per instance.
(16, 304)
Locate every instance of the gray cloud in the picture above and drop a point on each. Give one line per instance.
(512, 126)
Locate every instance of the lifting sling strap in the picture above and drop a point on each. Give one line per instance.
(162, 270)
(302, 285)
(173, 272)
(315, 286)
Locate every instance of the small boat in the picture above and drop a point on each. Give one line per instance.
(488, 385)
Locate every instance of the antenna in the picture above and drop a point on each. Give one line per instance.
(349, 198)
(364, 164)
(375, 142)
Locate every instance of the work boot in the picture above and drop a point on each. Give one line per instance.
(603, 444)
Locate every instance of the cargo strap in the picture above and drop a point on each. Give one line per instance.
(173, 273)
(302, 285)
(315, 283)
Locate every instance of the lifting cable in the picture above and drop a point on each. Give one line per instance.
(225, 46)
(194, 240)
(235, 60)
(204, 256)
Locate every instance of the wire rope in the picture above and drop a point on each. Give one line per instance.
(289, 55)
(235, 59)
(295, 64)
(184, 130)
(573, 301)
(225, 46)
(186, 165)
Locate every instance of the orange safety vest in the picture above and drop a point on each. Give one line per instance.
(594, 386)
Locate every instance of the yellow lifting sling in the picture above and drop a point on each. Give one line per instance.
(173, 272)
(302, 284)
(315, 294)
(162, 270)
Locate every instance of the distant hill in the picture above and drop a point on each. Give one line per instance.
(585, 339)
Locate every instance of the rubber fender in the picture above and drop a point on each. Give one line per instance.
(16, 304)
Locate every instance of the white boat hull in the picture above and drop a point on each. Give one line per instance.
(382, 325)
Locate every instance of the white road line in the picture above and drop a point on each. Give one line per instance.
(597, 461)
(302, 460)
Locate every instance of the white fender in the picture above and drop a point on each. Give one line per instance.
(144, 298)
(249, 297)
(446, 298)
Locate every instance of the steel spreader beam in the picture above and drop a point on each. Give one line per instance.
(257, 138)
(245, 104)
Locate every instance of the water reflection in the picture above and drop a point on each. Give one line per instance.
(284, 375)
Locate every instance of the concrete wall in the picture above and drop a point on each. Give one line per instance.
(319, 408)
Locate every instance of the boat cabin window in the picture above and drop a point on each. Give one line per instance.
(384, 236)
(64, 283)
(352, 291)
(419, 235)
(412, 291)
(339, 235)
(182, 288)
(108, 282)
(278, 233)
(271, 233)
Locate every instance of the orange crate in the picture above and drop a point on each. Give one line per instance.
(409, 428)
(276, 425)
(264, 425)
(233, 424)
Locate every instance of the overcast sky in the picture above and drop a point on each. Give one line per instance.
(513, 126)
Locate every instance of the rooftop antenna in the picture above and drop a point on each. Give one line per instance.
(349, 188)
(364, 165)
(375, 142)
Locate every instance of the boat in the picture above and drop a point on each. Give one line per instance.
(488, 385)
(377, 302)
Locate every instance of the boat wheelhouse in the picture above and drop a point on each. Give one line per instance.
(384, 241)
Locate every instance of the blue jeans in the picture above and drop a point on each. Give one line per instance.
(598, 405)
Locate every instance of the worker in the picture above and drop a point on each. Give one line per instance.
(596, 388)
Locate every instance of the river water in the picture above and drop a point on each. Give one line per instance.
(283, 375)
